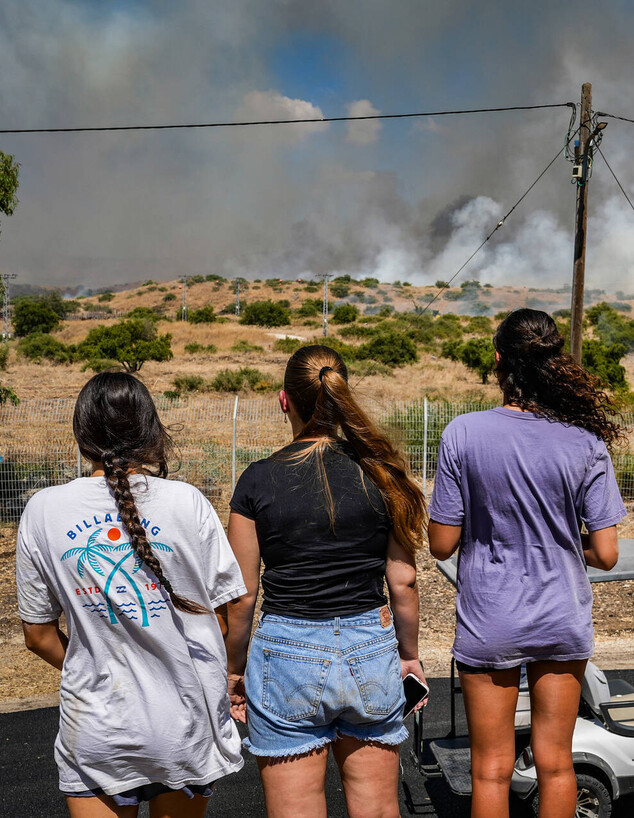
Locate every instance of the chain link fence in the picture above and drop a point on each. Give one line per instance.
(216, 438)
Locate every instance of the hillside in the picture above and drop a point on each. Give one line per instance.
(431, 374)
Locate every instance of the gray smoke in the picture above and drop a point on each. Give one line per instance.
(405, 200)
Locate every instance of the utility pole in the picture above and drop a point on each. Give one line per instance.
(184, 307)
(237, 296)
(6, 316)
(581, 220)
(324, 321)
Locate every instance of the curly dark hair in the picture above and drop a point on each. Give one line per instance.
(535, 374)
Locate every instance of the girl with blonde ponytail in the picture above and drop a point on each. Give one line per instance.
(332, 516)
(137, 564)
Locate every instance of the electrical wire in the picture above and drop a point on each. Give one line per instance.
(614, 116)
(499, 224)
(174, 127)
(629, 201)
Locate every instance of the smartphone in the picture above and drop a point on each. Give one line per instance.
(415, 691)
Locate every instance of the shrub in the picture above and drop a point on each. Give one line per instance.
(369, 282)
(188, 383)
(500, 316)
(148, 283)
(33, 315)
(242, 345)
(205, 315)
(603, 360)
(100, 365)
(8, 395)
(4, 355)
(339, 290)
(196, 279)
(38, 346)
(195, 347)
(345, 314)
(557, 314)
(479, 325)
(312, 307)
(266, 314)
(170, 394)
(214, 277)
(234, 380)
(287, 345)
(145, 313)
(365, 368)
(390, 347)
(169, 297)
(130, 342)
(442, 284)
(476, 353)
(357, 331)
(103, 298)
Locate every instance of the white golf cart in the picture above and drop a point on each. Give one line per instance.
(603, 740)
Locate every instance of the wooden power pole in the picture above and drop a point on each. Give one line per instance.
(581, 220)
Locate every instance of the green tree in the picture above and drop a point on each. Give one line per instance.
(205, 315)
(266, 314)
(345, 314)
(390, 347)
(131, 343)
(33, 315)
(477, 354)
(603, 360)
(9, 170)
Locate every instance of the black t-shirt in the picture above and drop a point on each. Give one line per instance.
(313, 569)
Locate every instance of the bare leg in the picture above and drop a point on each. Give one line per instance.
(555, 688)
(490, 701)
(178, 805)
(98, 806)
(369, 774)
(294, 786)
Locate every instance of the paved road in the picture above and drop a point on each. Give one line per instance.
(29, 776)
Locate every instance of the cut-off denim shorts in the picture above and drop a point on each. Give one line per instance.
(309, 682)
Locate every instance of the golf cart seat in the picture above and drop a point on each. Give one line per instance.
(603, 697)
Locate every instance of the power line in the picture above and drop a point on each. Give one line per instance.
(629, 201)
(614, 116)
(499, 224)
(174, 127)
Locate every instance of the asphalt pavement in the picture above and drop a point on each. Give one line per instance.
(28, 774)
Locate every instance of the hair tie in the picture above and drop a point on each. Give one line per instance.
(323, 371)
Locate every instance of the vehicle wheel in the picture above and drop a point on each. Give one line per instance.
(593, 799)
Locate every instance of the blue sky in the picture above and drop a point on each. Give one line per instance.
(295, 200)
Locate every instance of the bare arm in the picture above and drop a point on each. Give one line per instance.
(47, 641)
(601, 548)
(239, 615)
(400, 573)
(443, 539)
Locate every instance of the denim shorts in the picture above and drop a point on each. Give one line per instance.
(310, 681)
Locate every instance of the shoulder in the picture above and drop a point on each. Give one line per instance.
(460, 426)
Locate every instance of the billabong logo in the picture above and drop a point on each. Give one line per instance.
(94, 553)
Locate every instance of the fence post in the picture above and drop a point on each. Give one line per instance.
(78, 462)
(233, 445)
(425, 416)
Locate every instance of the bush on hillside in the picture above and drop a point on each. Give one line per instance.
(41, 346)
(266, 314)
(288, 345)
(603, 360)
(242, 345)
(195, 347)
(235, 380)
(145, 313)
(477, 354)
(188, 383)
(389, 347)
(33, 315)
(345, 314)
(4, 356)
(205, 315)
(131, 342)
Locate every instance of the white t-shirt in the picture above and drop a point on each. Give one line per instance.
(143, 695)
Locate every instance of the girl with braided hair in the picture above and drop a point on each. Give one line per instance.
(137, 564)
(332, 516)
(513, 486)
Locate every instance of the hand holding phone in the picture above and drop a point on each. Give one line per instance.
(415, 691)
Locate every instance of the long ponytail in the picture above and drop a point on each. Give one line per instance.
(316, 381)
(116, 424)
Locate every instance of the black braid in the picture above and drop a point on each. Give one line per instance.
(116, 471)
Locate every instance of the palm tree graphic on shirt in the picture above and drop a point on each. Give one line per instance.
(94, 551)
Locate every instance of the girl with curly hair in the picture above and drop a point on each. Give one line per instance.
(514, 486)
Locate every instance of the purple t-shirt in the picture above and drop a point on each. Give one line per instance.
(520, 485)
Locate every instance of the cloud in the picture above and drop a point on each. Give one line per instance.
(363, 133)
(271, 105)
